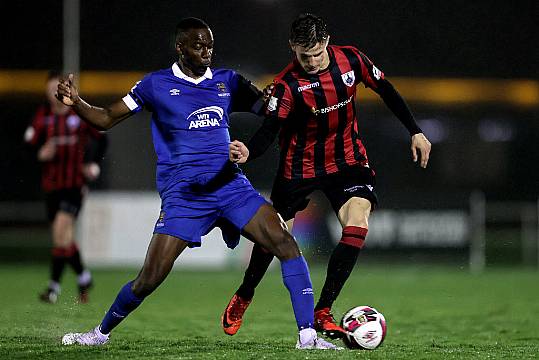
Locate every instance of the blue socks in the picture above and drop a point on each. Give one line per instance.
(125, 302)
(297, 280)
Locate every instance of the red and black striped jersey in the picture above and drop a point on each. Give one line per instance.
(71, 136)
(319, 127)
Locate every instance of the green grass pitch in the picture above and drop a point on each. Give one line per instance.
(432, 313)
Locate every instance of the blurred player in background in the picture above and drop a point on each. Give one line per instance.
(199, 187)
(69, 150)
(313, 109)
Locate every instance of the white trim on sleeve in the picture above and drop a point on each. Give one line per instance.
(131, 104)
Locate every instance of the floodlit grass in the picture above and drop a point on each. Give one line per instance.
(432, 313)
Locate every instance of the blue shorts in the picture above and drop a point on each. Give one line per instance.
(188, 211)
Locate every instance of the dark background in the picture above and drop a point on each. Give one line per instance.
(415, 39)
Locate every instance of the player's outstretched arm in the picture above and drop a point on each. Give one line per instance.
(398, 106)
(101, 118)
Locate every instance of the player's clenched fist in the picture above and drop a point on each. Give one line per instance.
(67, 92)
(238, 152)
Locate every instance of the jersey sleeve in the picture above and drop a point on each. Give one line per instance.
(35, 132)
(140, 96)
(370, 75)
(281, 102)
(244, 94)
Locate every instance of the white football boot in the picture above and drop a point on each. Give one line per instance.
(308, 339)
(91, 338)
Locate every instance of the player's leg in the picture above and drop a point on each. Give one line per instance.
(232, 317)
(267, 229)
(70, 206)
(258, 265)
(162, 252)
(352, 199)
(63, 235)
(352, 196)
(354, 217)
(288, 198)
(58, 258)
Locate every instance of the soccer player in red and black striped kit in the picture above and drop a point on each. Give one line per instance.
(312, 108)
(69, 150)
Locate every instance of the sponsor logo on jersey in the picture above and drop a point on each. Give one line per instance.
(209, 116)
(272, 103)
(332, 107)
(376, 72)
(174, 92)
(349, 78)
(308, 86)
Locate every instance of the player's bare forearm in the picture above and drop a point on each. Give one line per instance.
(101, 118)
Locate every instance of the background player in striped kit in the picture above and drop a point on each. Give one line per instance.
(313, 110)
(69, 150)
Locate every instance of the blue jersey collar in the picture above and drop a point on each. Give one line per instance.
(178, 73)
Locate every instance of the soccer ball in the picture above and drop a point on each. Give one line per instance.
(365, 328)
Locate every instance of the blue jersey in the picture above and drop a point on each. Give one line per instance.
(190, 120)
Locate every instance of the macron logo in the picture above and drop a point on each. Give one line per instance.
(308, 86)
(174, 92)
(206, 117)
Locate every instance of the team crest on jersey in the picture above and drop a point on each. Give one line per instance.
(73, 121)
(223, 91)
(208, 116)
(349, 78)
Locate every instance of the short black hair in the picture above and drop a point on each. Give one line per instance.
(308, 30)
(188, 23)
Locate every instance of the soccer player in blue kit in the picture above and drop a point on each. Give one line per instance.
(200, 187)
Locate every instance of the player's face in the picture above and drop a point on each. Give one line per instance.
(313, 59)
(196, 50)
(51, 88)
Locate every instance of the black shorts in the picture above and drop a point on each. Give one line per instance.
(68, 200)
(290, 196)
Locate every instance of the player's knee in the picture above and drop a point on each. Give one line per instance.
(142, 287)
(284, 246)
(147, 281)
